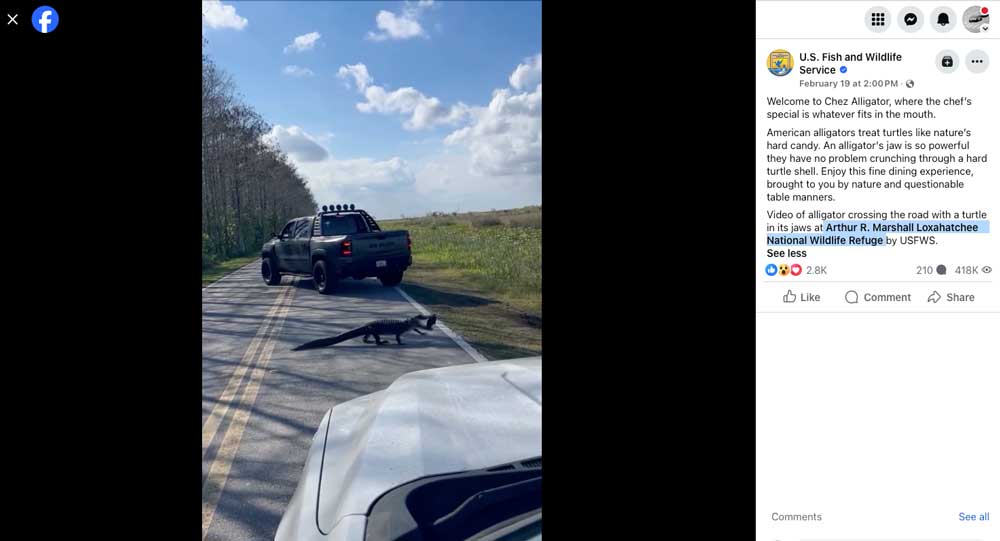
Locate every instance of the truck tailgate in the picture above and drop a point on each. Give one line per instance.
(379, 244)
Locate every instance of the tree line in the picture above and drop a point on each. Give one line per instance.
(249, 188)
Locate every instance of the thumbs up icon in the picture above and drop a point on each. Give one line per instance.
(789, 297)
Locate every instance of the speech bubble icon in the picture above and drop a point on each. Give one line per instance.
(851, 297)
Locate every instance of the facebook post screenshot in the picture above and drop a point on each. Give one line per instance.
(877, 298)
(290, 281)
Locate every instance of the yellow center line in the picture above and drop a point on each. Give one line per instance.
(221, 408)
(215, 483)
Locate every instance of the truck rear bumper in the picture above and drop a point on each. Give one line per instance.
(369, 266)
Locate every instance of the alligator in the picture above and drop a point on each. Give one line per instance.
(377, 328)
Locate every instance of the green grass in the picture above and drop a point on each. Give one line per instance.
(482, 274)
(218, 270)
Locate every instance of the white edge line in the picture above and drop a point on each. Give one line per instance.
(476, 356)
(231, 273)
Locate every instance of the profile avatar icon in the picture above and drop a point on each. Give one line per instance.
(779, 62)
(976, 19)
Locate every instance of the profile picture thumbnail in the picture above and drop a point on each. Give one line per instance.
(779, 62)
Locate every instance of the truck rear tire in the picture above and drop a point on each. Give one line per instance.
(269, 271)
(391, 278)
(325, 283)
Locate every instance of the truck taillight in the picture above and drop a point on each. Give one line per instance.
(409, 242)
(345, 248)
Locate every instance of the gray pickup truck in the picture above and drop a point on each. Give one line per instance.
(336, 244)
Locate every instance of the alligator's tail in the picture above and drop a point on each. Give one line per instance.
(324, 342)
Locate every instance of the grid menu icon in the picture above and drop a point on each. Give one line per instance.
(877, 19)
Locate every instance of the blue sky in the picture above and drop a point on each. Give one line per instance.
(399, 107)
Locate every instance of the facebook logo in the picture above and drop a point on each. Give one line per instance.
(45, 19)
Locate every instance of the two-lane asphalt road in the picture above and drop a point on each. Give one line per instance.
(262, 402)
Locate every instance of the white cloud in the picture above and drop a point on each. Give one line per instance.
(305, 42)
(506, 136)
(393, 187)
(357, 172)
(299, 145)
(491, 160)
(367, 182)
(363, 180)
(215, 14)
(297, 71)
(528, 73)
(395, 27)
(405, 25)
(447, 182)
(424, 111)
(360, 73)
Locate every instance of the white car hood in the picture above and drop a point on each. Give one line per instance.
(428, 422)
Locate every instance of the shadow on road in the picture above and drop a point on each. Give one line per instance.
(346, 287)
(436, 296)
